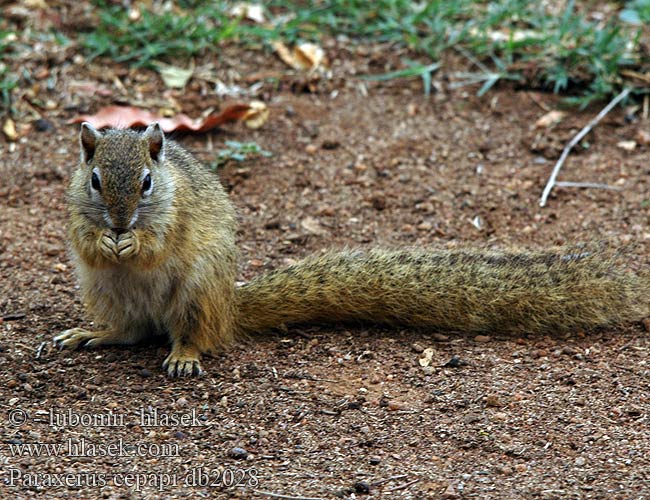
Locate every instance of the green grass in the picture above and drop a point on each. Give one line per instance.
(8, 81)
(239, 152)
(565, 52)
(516, 40)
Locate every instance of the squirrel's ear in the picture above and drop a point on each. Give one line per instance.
(88, 138)
(156, 140)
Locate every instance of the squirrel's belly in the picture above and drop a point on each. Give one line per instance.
(121, 296)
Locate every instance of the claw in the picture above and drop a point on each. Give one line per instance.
(178, 366)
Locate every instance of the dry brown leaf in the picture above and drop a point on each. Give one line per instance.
(549, 119)
(9, 130)
(129, 116)
(257, 115)
(303, 57)
(427, 356)
(252, 11)
(643, 137)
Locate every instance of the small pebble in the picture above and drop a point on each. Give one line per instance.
(145, 373)
(43, 125)
(417, 347)
(375, 460)
(362, 487)
(238, 453)
(482, 338)
(493, 400)
(454, 362)
(580, 461)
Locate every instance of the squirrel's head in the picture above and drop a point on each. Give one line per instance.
(121, 170)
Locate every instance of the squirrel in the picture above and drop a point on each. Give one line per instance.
(152, 237)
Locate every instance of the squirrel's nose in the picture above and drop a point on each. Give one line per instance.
(119, 230)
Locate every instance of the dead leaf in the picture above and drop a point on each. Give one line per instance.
(173, 76)
(549, 119)
(9, 130)
(252, 11)
(129, 116)
(643, 137)
(257, 115)
(427, 356)
(303, 57)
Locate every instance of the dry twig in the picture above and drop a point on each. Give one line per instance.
(579, 136)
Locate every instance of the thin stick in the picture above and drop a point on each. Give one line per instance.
(391, 478)
(39, 351)
(403, 486)
(551, 181)
(286, 497)
(593, 185)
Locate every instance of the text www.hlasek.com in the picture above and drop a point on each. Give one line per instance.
(83, 448)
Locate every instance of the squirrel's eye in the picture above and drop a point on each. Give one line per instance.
(146, 183)
(94, 182)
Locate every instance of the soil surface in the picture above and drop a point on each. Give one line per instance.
(336, 411)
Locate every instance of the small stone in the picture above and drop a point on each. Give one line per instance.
(471, 418)
(396, 405)
(521, 467)
(580, 461)
(180, 435)
(311, 149)
(181, 402)
(504, 470)
(417, 347)
(362, 487)
(493, 400)
(378, 203)
(145, 373)
(238, 453)
(626, 145)
(454, 362)
(375, 460)
(330, 144)
(43, 125)
(482, 338)
(439, 337)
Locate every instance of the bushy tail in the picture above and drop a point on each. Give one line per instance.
(467, 290)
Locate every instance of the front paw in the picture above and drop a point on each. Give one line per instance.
(75, 337)
(182, 365)
(128, 245)
(107, 245)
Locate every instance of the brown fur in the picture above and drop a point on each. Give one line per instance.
(173, 270)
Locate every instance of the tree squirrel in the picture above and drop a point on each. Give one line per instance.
(152, 233)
